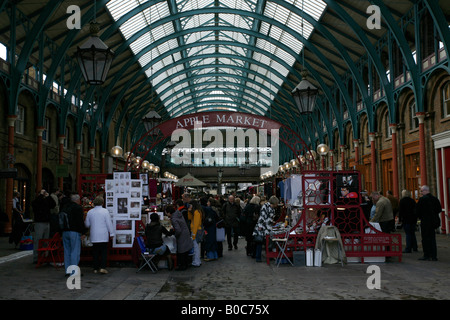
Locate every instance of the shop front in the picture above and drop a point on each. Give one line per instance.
(442, 155)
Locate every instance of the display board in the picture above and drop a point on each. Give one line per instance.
(123, 199)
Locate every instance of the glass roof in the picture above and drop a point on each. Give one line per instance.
(204, 55)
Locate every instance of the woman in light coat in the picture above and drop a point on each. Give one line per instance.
(98, 221)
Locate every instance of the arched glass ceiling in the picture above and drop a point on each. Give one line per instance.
(207, 56)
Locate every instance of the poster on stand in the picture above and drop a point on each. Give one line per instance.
(109, 197)
(135, 200)
(124, 203)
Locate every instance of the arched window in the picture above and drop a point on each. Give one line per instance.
(414, 121)
(387, 127)
(446, 100)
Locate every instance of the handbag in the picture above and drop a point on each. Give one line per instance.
(220, 223)
(258, 238)
(220, 234)
(200, 235)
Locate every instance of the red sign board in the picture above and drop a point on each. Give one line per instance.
(219, 119)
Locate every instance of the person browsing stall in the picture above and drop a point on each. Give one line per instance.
(98, 221)
(155, 243)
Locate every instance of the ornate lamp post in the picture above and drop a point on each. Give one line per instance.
(151, 120)
(94, 57)
(116, 152)
(305, 95)
(323, 149)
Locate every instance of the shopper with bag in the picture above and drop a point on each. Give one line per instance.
(209, 223)
(195, 213)
(249, 218)
(220, 226)
(264, 225)
(182, 234)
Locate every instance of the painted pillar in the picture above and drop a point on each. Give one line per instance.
(61, 160)
(78, 165)
(91, 158)
(102, 163)
(356, 146)
(394, 159)
(10, 181)
(423, 155)
(331, 159)
(39, 159)
(373, 160)
(343, 157)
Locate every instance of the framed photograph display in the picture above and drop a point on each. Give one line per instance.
(124, 203)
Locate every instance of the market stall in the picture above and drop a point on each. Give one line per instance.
(317, 198)
(124, 194)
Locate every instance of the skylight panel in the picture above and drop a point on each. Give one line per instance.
(133, 25)
(314, 8)
(169, 75)
(118, 8)
(184, 6)
(238, 4)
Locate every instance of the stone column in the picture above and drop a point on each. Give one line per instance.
(373, 160)
(39, 132)
(78, 165)
(9, 181)
(423, 155)
(61, 160)
(394, 159)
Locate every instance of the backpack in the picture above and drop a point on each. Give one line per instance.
(63, 221)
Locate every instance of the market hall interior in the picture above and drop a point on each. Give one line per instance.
(162, 88)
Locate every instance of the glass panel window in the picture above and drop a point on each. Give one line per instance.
(414, 121)
(446, 100)
(46, 132)
(388, 128)
(67, 138)
(20, 121)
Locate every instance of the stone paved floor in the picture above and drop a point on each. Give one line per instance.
(233, 277)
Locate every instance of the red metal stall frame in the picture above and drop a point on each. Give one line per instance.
(358, 236)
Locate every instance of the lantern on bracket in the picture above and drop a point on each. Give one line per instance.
(94, 57)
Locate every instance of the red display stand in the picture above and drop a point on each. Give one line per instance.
(326, 195)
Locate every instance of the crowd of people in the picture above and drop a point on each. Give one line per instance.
(385, 210)
(197, 223)
(203, 225)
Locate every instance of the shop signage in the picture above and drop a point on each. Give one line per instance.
(218, 119)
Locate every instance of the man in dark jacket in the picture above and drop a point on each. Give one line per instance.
(72, 237)
(408, 218)
(231, 213)
(155, 243)
(428, 211)
(41, 209)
